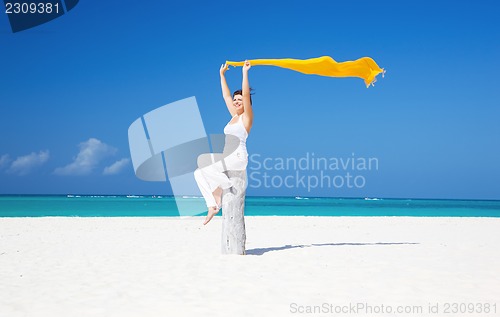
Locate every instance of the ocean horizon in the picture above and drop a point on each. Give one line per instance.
(75, 205)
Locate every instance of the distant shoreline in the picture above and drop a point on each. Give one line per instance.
(169, 206)
(250, 196)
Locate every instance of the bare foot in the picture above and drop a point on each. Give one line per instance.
(218, 196)
(212, 211)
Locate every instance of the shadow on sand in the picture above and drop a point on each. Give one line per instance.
(261, 251)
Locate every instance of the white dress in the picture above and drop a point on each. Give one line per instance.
(211, 166)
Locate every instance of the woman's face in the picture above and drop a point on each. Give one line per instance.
(238, 101)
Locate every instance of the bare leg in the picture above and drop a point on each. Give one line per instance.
(218, 196)
(212, 211)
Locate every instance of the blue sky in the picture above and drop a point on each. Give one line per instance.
(70, 88)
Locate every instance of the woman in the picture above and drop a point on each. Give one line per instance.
(210, 177)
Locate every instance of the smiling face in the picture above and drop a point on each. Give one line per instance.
(238, 102)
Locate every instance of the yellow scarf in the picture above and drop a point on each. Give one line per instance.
(364, 67)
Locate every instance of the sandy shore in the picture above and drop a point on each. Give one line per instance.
(173, 267)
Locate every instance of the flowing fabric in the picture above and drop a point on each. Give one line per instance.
(365, 67)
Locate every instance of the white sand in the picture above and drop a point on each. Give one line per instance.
(173, 267)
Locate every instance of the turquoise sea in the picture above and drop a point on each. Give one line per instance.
(132, 206)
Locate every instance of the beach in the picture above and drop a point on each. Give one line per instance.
(295, 265)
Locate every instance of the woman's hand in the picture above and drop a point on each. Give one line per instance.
(223, 69)
(246, 66)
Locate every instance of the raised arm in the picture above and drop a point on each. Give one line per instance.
(226, 93)
(247, 105)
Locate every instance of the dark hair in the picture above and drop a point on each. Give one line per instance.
(240, 92)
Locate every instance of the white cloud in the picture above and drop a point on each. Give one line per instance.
(91, 153)
(4, 160)
(116, 167)
(24, 164)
